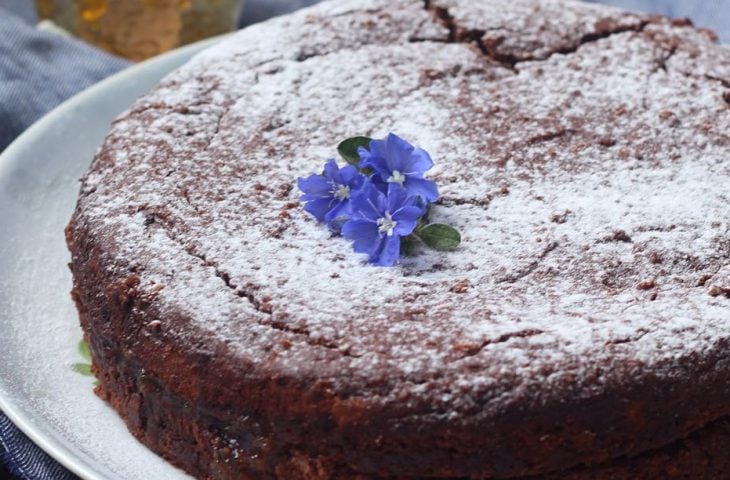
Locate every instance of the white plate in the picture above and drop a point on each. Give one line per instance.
(39, 391)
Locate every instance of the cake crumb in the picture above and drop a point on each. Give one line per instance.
(606, 142)
(655, 258)
(716, 291)
(155, 325)
(647, 284)
(720, 283)
(503, 188)
(460, 287)
(560, 218)
(619, 236)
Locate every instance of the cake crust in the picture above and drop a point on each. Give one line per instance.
(581, 151)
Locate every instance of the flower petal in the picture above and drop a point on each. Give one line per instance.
(368, 203)
(339, 208)
(397, 153)
(418, 162)
(390, 252)
(408, 212)
(403, 228)
(375, 157)
(397, 197)
(349, 176)
(314, 186)
(319, 207)
(420, 187)
(406, 220)
(364, 234)
(379, 183)
(332, 171)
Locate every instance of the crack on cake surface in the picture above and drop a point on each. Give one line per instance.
(635, 338)
(520, 273)
(489, 48)
(723, 81)
(470, 350)
(550, 136)
(216, 129)
(448, 200)
(662, 63)
(261, 305)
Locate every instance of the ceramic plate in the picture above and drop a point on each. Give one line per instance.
(39, 389)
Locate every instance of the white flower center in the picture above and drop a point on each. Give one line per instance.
(397, 177)
(341, 192)
(386, 224)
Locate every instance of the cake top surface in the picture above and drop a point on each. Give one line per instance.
(581, 151)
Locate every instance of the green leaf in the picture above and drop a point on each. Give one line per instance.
(82, 368)
(348, 149)
(84, 350)
(439, 236)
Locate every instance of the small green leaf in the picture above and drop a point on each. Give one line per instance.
(348, 149)
(84, 350)
(439, 236)
(82, 368)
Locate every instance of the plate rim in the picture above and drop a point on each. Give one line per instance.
(45, 436)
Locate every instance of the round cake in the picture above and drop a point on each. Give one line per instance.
(580, 331)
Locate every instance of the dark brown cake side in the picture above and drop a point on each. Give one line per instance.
(214, 447)
(583, 153)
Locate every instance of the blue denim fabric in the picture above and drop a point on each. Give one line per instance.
(39, 70)
(23, 459)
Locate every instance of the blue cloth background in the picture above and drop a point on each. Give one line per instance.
(39, 70)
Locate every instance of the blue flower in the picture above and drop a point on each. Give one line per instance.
(397, 162)
(378, 221)
(327, 196)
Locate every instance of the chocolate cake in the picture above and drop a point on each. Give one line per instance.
(580, 331)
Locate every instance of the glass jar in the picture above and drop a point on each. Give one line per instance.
(139, 29)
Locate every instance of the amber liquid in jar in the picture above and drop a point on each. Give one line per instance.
(139, 29)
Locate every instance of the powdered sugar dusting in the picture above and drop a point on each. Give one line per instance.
(573, 180)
